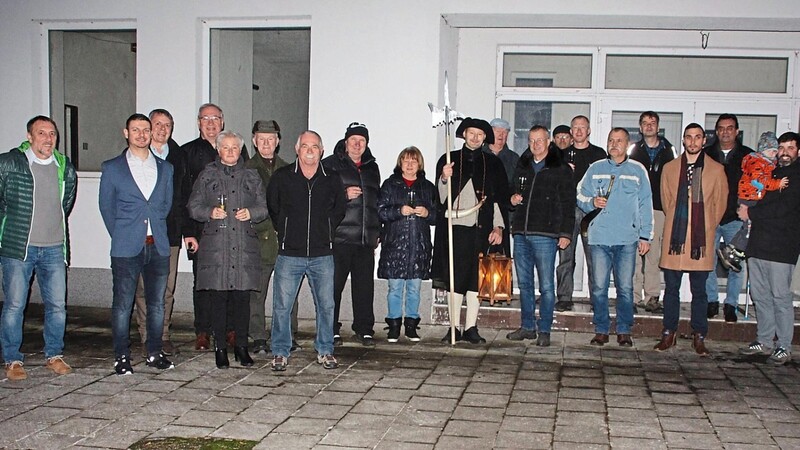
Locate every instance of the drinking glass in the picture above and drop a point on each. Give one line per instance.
(221, 203)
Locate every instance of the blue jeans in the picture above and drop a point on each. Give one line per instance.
(672, 300)
(51, 271)
(289, 271)
(621, 259)
(539, 253)
(154, 270)
(735, 279)
(395, 298)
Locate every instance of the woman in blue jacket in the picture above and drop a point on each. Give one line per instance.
(406, 207)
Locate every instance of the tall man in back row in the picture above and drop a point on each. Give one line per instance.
(728, 151)
(653, 151)
(37, 191)
(580, 155)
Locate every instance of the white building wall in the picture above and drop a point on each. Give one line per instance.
(374, 61)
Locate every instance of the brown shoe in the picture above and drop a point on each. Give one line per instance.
(202, 343)
(699, 344)
(624, 340)
(668, 340)
(57, 365)
(599, 339)
(230, 338)
(15, 371)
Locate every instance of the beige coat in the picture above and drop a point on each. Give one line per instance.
(715, 191)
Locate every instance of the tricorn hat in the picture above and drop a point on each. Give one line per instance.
(480, 124)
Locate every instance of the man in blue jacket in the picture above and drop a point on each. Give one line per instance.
(37, 191)
(619, 188)
(135, 199)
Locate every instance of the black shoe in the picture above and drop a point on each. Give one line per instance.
(520, 334)
(411, 326)
(713, 309)
(365, 339)
(730, 313)
(240, 354)
(654, 306)
(731, 258)
(337, 340)
(296, 346)
(159, 361)
(394, 329)
(221, 357)
(471, 335)
(260, 347)
(122, 366)
(564, 305)
(446, 339)
(543, 340)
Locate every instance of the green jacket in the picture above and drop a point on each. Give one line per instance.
(267, 235)
(16, 200)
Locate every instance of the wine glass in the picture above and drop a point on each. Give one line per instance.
(522, 187)
(221, 203)
(412, 201)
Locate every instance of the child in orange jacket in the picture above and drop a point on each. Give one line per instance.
(756, 178)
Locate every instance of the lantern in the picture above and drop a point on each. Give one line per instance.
(494, 278)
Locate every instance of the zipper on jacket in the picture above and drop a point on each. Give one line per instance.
(285, 231)
(528, 205)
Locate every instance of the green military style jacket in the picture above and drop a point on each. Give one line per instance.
(267, 236)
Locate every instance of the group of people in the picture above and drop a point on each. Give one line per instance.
(641, 210)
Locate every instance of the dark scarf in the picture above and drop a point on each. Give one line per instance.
(680, 221)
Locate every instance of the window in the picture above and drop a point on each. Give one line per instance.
(697, 73)
(523, 114)
(565, 71)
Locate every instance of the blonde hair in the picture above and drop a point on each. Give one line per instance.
(413, 153)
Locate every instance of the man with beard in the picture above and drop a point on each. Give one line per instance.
(165, 148)
(199, 153)
(772, 252)
(479, 186)
(562, 140)
(694, 195)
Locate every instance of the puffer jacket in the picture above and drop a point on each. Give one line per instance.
(16, 200)
(228, 258)
(267, 237)
(406, 245)
(361, 225)
(548, 206)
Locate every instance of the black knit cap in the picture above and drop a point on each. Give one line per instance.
(480, 124)
(561, 129)
(357, 129)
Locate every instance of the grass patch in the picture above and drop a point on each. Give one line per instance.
(178, 443)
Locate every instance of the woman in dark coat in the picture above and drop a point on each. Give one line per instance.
(228, 198)
(407, 209)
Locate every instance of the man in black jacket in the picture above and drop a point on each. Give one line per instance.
(542, 221)
(653, 151)
(580, 155)
(199, 153)
(772, 252)
(306, 203)
(729, 151)
(357, 235)
(162, 145)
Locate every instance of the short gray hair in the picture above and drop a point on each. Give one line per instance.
(229, 134)
(206, 105)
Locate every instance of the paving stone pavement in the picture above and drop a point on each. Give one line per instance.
(406, 396)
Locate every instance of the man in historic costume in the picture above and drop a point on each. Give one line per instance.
(480, 214)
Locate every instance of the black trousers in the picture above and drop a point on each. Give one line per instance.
(202, 307)
(233, 304)
(358, 262)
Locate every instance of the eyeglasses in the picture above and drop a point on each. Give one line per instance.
(210, 118)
